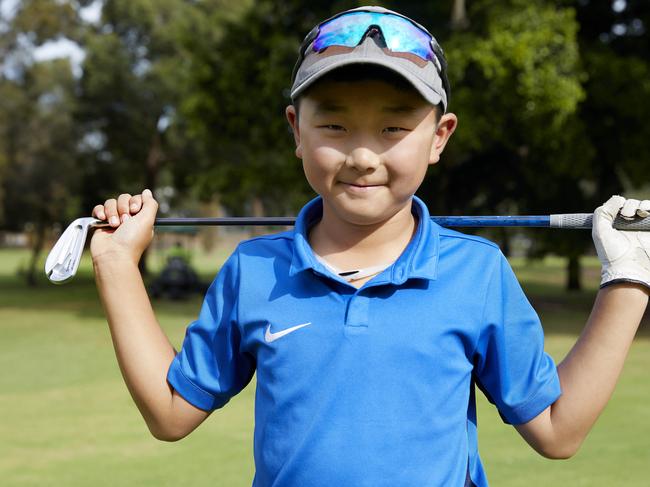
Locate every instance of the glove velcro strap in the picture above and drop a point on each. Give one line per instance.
(624, 280)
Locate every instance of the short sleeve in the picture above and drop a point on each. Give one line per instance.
(211, 367)
(511, 366)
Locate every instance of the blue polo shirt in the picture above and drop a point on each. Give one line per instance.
(371, 386)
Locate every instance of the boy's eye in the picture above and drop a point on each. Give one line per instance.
(331, 126)
(394, 130)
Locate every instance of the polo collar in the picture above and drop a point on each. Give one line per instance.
(418, 261)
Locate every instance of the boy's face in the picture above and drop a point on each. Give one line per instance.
(366, 146)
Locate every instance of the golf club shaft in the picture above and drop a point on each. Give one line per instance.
(570, 221)
(62, 261)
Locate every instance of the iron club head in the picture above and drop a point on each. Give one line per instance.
(63, 260)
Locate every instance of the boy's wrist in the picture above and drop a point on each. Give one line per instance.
(113, 260)
(634, 286)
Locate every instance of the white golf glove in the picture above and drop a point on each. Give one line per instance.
(625, 255)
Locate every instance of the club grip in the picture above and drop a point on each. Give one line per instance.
(585, 220)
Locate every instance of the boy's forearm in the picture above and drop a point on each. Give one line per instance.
(590, 371)
(143, 351)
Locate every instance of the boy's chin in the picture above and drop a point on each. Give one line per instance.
(365, 214)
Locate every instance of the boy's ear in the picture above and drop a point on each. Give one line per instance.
(292, 118)
(446, 126)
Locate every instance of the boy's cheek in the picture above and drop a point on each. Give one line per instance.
(314, 177)
(406, 155)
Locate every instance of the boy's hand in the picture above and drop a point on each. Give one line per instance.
(625, 255)
(131, 219)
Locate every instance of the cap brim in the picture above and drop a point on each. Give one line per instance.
(425, 80)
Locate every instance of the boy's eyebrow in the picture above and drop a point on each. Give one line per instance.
(329, 106)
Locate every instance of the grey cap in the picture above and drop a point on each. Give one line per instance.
(427, 79)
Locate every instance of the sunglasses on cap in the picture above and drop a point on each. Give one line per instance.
(400, 34)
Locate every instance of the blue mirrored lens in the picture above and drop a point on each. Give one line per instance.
(400, 34)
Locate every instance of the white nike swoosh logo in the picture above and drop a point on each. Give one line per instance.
(271, 337)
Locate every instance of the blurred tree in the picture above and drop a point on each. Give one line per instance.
(38, 178)
(131, 82)
(38, 143)
(566, 129)
(616, 53)
(611, 120)
(134, 78)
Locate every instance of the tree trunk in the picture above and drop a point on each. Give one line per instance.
(258, 211)
(504, 238)
(37, 246)
(573, 273)
(459, 20)
(152, 168)
(154, 158)
(209, 236)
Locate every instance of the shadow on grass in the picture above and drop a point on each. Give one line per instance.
(566, 312)
(78, 296)
(561, 312)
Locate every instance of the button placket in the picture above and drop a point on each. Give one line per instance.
(357, 310)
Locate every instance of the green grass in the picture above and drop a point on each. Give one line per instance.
(68, 420)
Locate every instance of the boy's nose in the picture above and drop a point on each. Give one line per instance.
(362, 159)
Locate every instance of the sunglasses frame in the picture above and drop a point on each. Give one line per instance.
(436, 49)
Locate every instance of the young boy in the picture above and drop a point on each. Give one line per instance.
(369, 325)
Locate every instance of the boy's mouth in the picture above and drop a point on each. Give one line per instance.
(360, 187)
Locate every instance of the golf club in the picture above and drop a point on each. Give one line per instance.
(63, 260)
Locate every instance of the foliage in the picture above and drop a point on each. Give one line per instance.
(524, 84)
(43, 20)
(41, 145)
(132, 78)
(616, 111)
(520, 72)
(38, 136)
